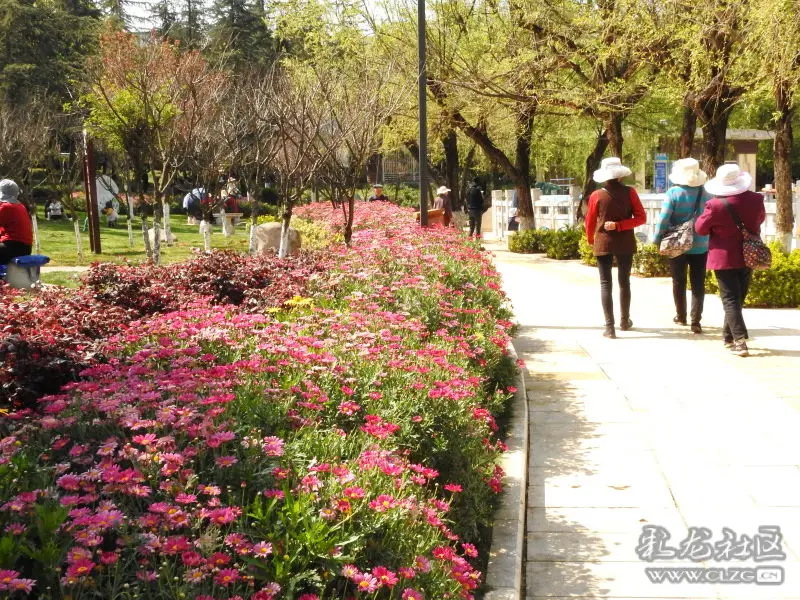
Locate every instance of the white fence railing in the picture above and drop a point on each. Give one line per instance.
(558, 212)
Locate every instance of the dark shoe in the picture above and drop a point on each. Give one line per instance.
(609, 332)
(678, 320)
(740, 348)
(728, 344)
(625, 324)
(696, 328)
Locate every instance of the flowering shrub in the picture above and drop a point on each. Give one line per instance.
(49, 338)
(337, 444)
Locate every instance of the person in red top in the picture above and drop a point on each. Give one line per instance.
(16, 231)
(614, 211)
(732, 195)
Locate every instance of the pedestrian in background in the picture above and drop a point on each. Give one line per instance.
(474, 207)
(732, 200)
(444, 203)
(614, 211)
(684, 202)
(377, 194)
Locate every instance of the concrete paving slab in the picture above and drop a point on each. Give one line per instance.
(657, 427)
(562, 519)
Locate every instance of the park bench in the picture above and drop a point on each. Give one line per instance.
(24, 272)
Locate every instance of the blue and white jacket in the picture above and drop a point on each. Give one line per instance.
(680, 205)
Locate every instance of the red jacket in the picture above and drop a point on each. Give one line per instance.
(725, 239)
(15, 224)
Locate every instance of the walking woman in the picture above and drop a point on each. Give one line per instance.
(614, 211)
(725, 253)
(685, 201)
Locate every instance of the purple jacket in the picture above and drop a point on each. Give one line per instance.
(725, 241)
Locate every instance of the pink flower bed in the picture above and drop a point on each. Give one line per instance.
(338, 443)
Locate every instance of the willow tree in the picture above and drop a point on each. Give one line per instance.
(776, 37)
(709, 61)
(494, 80)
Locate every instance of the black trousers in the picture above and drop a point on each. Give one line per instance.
(9, 250)
(475, 217)
(624, 262)
(697, 275)
(733, 286)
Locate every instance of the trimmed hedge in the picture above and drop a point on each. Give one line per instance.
(529, 241)
(561, 244)
(776, 287)
(648, 262)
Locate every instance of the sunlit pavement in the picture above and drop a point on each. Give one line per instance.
(657, 427)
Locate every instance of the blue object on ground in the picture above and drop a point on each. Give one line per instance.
(32, 260)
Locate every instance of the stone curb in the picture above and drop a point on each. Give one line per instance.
(504, 573)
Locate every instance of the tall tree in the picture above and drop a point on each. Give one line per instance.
(706, 57)
(44, 47)
(776, 37)
(241, 36)
(604, 50)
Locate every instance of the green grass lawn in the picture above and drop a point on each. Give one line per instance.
(57, 240)
(61, 278)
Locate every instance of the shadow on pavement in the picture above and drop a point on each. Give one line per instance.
(557, 439)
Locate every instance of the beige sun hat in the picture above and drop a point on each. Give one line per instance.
(443, 190)
(611, 168)
(729, 181)
(686, 171)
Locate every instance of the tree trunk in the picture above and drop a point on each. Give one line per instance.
(451, 167)
(35, 224)
(167, 223)
(157, 224)
(129, 203)
(688, 131)
(253, 223)
(714, 138)
(592, 163)
(348, 220)
(527, 219)
(784, 218)
(283, 250)
(525, 198)
(614, 134)
(464, 180)
(78, 240)
(148, 251)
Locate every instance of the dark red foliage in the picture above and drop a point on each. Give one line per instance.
(221, 277)
(48, 338)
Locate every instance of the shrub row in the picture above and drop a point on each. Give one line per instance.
(561, 244)
(341, 444)
(777, 287)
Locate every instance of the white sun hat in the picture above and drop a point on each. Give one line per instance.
(686, 171)
(611, 168)
(730, 180)
(442, 190)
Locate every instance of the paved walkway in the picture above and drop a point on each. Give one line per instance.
(658, 427)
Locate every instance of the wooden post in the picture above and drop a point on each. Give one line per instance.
(90, 188)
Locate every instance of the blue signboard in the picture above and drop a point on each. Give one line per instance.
(660, 175)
